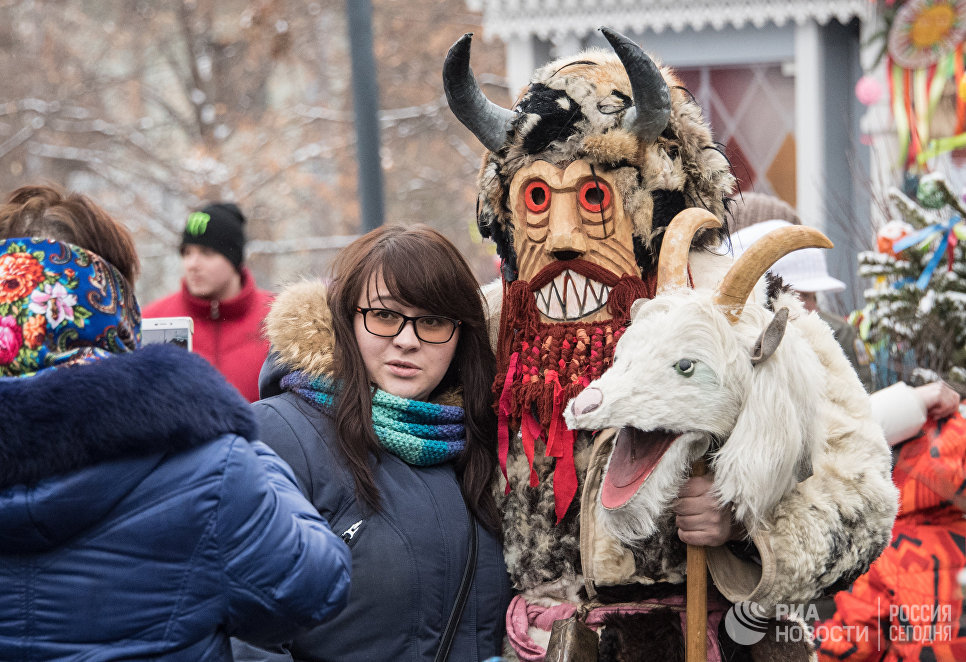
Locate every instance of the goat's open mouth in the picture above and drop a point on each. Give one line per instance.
(635, 455)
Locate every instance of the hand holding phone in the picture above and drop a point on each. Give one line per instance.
(176, 330)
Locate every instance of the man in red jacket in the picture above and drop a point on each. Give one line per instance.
(219, 294)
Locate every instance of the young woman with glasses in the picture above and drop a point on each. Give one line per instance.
(385, 418)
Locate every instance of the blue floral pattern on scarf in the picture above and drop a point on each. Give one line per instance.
(60, 305)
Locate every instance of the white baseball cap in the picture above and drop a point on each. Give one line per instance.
(803, 270)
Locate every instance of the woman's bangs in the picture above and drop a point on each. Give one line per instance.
(421, 281)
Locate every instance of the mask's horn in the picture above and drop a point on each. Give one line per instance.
(672, 263)
(754, 262)
(652, 98)
(488, 121)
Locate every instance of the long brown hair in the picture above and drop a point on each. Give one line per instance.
(47, 211)
(423, 269)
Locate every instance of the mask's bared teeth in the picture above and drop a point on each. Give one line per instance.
(570, 297)
(592, 296)
(549, 301)
(574, 288)
(543, 298)
(556, 308)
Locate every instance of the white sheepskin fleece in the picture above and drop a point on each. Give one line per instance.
(829, 529)
(763, 417)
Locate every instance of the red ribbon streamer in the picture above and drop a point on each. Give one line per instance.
(951, 250)
(553, 434)
(560, 444)
(915, 144)
(960, 102)
(530, 432)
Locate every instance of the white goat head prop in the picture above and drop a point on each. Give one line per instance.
(697, 372)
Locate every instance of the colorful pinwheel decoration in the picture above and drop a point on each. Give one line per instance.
(925, 53)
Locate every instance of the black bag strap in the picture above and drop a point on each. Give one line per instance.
(446, 642)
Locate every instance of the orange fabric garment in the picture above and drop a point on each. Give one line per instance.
(908, 605)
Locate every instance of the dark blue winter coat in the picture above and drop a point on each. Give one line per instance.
(407, 560)
(138, 523)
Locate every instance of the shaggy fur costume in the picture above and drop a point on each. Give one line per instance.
(797, 479)
(763, 417)
(92, 423)
(825, 530)
(821, 535)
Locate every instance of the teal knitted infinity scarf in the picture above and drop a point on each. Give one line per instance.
(419, 433)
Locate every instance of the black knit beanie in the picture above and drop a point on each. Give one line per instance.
(218, 226)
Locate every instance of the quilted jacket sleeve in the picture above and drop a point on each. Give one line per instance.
(284, 569)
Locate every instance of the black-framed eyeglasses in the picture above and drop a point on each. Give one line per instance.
(386, 323)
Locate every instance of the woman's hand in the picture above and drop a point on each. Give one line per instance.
(939, 398)
(701, 520)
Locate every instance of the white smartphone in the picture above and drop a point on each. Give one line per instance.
(176, 330)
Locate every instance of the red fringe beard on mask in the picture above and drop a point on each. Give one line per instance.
(541, 366)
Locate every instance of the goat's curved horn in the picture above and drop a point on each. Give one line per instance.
(672, 263)
(754, 262)
(488, 121)
(652, 98)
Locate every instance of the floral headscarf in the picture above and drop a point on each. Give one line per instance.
(60, 305)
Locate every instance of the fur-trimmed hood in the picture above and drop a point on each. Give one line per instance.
(91, 427)
(299, 328)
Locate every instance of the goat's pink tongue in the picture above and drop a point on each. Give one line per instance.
(635, 455)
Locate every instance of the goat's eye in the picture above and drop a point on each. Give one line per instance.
(684, 367)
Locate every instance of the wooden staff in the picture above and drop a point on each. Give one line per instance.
(672, 274)
(696, 632)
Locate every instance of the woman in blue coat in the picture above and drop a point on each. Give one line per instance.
(385, 419)
(137, 520)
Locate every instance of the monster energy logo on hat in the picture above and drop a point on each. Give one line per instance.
(197, 223)
(220, 227)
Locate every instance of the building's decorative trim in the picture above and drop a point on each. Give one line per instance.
(552, 19)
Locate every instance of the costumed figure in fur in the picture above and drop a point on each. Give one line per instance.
(579, 182)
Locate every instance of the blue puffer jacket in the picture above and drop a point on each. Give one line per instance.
(407, 560)
(138, 523)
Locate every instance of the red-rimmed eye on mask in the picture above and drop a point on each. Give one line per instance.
(594, 196)
(537, 196)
